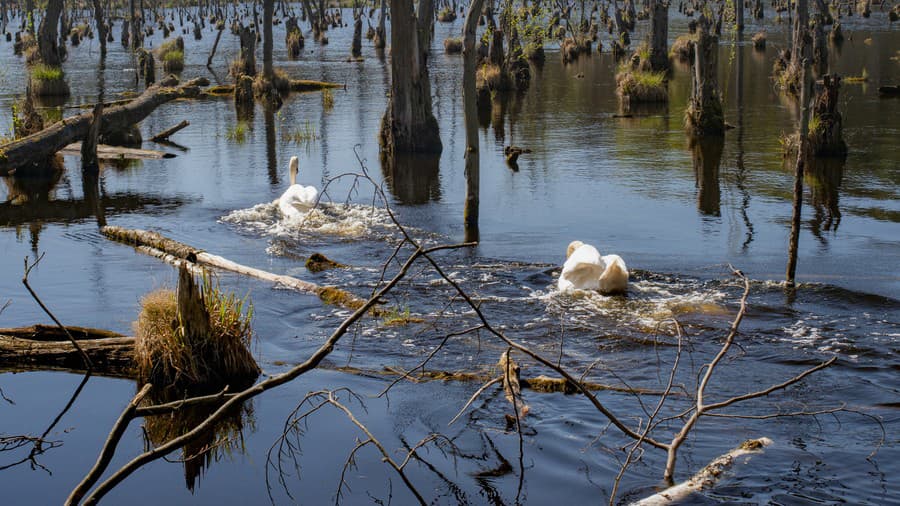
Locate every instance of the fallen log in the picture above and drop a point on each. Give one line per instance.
(175, 253)
(39, 146)
(165, 134)
(296, 85)
(47, 347)
(106, 152)
(705, 478)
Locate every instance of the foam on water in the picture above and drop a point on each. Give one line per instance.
(343, 220)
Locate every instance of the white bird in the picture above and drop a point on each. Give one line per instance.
(585, 269)
(297, 199)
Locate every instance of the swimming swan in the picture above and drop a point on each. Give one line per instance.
(585, 269)
(297, 199)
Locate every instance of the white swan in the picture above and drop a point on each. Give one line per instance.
(585, 269)
(297, 199)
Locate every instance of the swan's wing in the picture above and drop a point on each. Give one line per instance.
(307, 196)
(615, 275)
(582, 270)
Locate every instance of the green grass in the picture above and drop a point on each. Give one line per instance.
(238, 133)
(303, 135)
(43, 72)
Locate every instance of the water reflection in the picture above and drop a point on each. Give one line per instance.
(271, 151)
(223, 440)
(706, 154)
(413, 178)
(824, 176)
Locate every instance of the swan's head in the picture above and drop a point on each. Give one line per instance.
(574, 245)
(294, 169)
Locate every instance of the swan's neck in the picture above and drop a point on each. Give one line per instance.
(293, 177)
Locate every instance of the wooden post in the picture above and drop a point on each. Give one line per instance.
(470, 115)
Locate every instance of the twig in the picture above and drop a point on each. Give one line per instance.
(475, 396)
(87, 360)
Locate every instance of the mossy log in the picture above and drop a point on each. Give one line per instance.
(162, 247)
(47, 347)
(41, 145)
(105, 152)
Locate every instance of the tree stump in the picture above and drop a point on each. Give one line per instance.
(704, 115)
(826, 137)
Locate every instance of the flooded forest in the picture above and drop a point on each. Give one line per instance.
(450, 252)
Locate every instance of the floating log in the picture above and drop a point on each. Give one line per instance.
(41, 145)
(105, 152)
(307, 85)
(48, 347)
(706, 477)
(165, 134)
(177, 253)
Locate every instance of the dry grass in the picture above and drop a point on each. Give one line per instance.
(683, 47)
(489, 77)
(453, 45)
(166, 356)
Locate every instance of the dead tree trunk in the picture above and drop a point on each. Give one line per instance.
(137, 34)
(48, 35)
(704, 112)
(659, 35)
(425, 22)
(409, 125)
(248, 52)
(802, 152)
(268, 44)
(356, 45)
(799, 47)
(758, 9)
(39, 146)
(827, 138)
(470, 115)
(380, 40)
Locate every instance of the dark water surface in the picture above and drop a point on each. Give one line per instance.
(627, 185)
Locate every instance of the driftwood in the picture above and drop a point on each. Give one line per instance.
(165, 134)
(48, 347)
(41, 145)
(105, 152)
(178, 254)
(706, 477)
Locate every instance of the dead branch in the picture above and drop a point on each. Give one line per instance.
(706, 477)
(165, 134)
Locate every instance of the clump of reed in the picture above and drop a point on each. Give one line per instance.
(759, 41)
(169, 354)
(238, 132)
(327, 99)
(683, 47)
(636, 81)
(171, 53)
(453, 45)
(48, 81)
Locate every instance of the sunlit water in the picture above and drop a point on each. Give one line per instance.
(627, 185)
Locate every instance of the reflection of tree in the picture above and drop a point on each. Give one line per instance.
(707, 154)
(413, 178)
(223, 440)
(824, 175)
(271, 153)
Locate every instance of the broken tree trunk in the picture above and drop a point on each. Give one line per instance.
(41, 145)
(89, 160)
(178, 254)
(826, 137)
(48, 347)
(470, 115)
(704, 114)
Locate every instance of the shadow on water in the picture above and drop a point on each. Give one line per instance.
(224, 440)
(706, 154)
(413, 178)
(824, 176)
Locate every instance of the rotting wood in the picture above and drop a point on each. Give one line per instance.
(706, 477)
(165, 134)
(170, 250)
(106, 152)
(41, 145)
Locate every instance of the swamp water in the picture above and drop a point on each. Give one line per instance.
(628, 185)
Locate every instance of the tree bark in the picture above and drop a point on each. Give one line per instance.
(739, 15)
(39, 146)
(704, 112)
(800, 44)
(380, 40)
(409, 126)
(470, 115)
(248, 52)
(89, 161)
